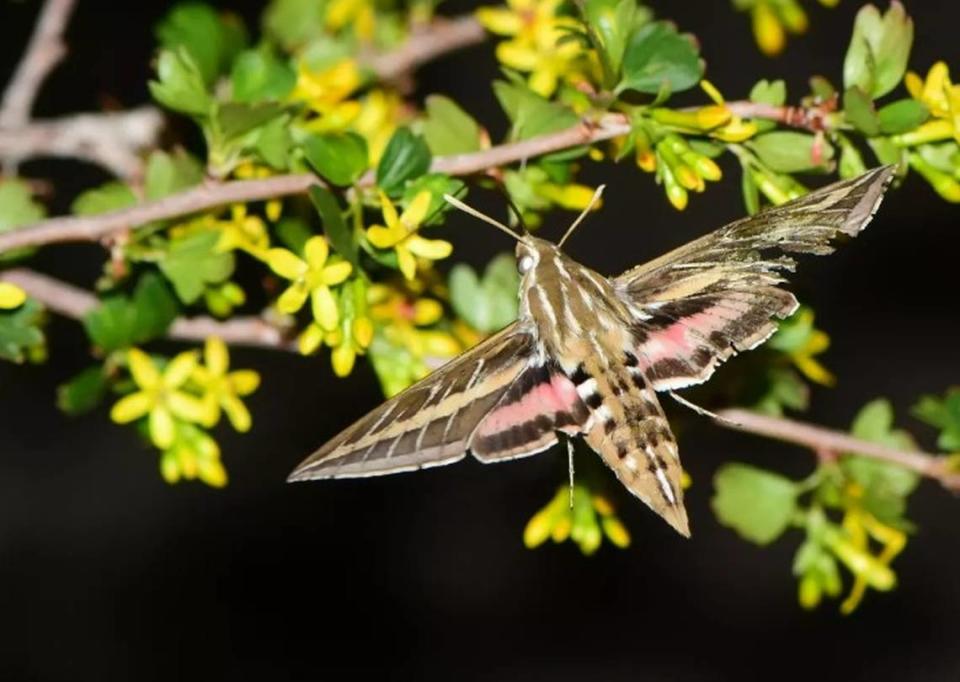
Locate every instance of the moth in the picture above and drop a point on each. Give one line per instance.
(588, 354)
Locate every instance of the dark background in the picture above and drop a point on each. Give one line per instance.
(108, 573)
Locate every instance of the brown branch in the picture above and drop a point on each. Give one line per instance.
(43, 52)
(212, 194)
(111, 140)
(73, 302)
(814, 118)
(822, 440)
(426, 43)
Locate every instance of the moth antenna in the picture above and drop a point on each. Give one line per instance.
(593, 201)
(703, 412)
(570, 467)
(516, 211)
(453, 201)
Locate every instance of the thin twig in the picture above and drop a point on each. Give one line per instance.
(823, 440)
(111, 140)
(814, 118)
(426, 43)
(73, 302)
(43, 52)
(211, 194)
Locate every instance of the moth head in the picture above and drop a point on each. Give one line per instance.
(530, 251)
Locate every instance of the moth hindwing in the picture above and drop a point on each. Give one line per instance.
(588, 353)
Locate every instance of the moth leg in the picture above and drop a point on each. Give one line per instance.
(702, 411)
(570, 467)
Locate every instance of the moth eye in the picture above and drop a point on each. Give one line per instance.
(524, 264)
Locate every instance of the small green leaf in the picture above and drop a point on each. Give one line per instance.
(487, 304)
(448, 129)
(531, 114)
(211, 39)
(83, 392)
(851, 161)
(20, 331)
(235, 118)
(122, 321)
(406, 157)
(769, 92)
(879, 50)
(944, 414)
(274, 141)
(787, 151)
(750, 191)
(169, 173)
(180, 86)
(902, 116)
(293, 233)
(757, 504)
(192, 262)
(17, 207)
(657, 56)
(613, 22)
(110, 196)
(294, 23)
(860, 112)
(258, 75)
(340, 234)
(437, 184)
(340, 158)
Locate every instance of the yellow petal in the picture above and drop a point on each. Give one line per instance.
(938, 81)
(179, 369)
(426, 311)
(913, 84)
(439, 344)
(237, 413)
(342, 358)
(519, 55)
(336, 272)
(543, 81)
(310, 339)
(767, 29)
(11, 296)
(286, 264)
(216, 356)
(192, 409)
(324, 307)
(499, 20)
(244, 381)
(571, 196)
(389, 211)
(212, 473)
(434, 249)
(131, 407)
(407, 262)
(362, 331)
(316, 251)
(383, 237)
(162, 430)
(292, 299)
(814, 371)
(170, 467)
(414, 214)
(142, 369)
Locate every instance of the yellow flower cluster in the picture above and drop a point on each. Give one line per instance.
(586, 521)
(180, 395)
(773, 19)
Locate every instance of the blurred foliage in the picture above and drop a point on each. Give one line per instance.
(352, 267)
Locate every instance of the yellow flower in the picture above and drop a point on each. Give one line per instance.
(11, 296)
(734, 129)
(942, 98)
(194, 454)
(380, 113)
(223, 389)
(326, 92)
(400, 234)
(243, 232)
(357, 14)
(160, 397)
(572, 196)
(586, 522)
(313, 277)
(535, 47)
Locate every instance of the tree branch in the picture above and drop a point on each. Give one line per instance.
(43, 52)
(73, 302)
(426, 43)
(814, 118)
(821, 440)
(213, 194)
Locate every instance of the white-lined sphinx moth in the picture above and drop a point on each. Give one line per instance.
(587, 353)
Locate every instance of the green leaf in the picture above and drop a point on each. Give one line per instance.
(787, 151)
(17, 209)
(851, 161)
(657, 56)
(759, 505)
(944, 414)
(437, 184)
(20, 331)
(879, 50)
(531, 114)
(83, 392)
(794, 332)
(293, 233)
(487, 304)
(860, 112)
(258, 75)
(192, 262)
(340, 158)
(341, 236)
(293, 23)
(169, 173)
(406, 157)
(122, 321)
(110, 196)
(180, 86)
(274, 141)
(211, 40)
(902, 116)
(235, 118)
(784, 389)
(769, 92)
(750, 191)
(448, 129)
(613, 22)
